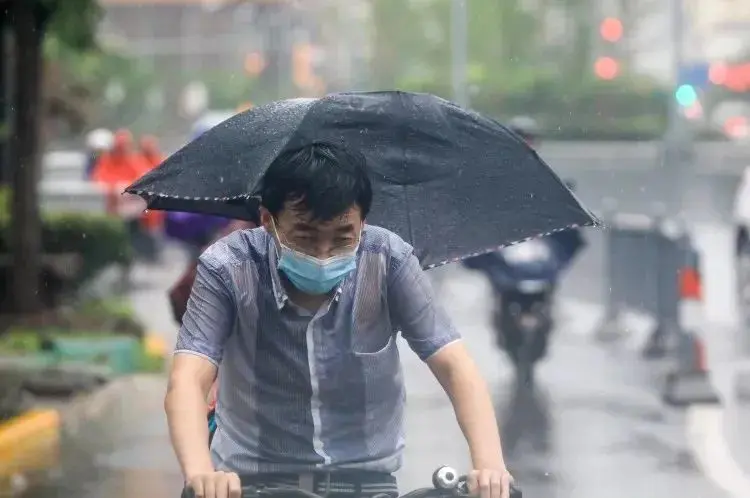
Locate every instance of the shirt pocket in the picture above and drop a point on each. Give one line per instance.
(382, 380)
(371, 329)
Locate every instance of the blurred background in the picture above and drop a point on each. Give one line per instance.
(644, 105)
(588, 69)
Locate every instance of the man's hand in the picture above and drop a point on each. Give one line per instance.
(488, 483)
(216, 485)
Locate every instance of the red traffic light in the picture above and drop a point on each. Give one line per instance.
(611, 29)
(717, 73)
(606, 68)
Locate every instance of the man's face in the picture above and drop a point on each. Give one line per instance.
(320, 239)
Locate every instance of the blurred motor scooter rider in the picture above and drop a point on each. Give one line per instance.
(117, 169)
(568, 243)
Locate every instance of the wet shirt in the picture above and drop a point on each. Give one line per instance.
(302, 391)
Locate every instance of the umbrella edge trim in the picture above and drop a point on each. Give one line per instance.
(595, 222)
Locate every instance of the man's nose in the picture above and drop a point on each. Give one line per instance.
(323, 250)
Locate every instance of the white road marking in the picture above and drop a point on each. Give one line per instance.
(704, 425)
(715, 243)
(705, 435)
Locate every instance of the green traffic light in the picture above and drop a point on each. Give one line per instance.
(686, 95)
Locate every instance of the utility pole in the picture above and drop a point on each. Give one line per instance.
(459, 51)
(677, 16)
(5, 116)
(677, 145)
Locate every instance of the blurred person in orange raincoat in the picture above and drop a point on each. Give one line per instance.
(150, 152)
(151, 157)
(121, 166)
(117, 169)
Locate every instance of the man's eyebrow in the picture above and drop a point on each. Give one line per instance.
(303, 227)
(345, 229)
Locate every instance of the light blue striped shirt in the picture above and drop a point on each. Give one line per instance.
(301, 391)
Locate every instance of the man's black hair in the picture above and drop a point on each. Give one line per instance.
(326, 179)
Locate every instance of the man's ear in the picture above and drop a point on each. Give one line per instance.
(266, 218)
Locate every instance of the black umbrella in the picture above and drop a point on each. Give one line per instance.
(449, 181)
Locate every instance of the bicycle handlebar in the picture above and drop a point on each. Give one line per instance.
(446, 482)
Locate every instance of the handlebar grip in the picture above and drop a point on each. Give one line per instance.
(463, 489)
(515, 492)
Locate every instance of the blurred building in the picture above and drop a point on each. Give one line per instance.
(293, 46)
(176, 35)
(714, 30)
(344, 42)
(720, 28)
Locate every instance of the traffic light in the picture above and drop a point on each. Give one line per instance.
(733, 77)
(302, 65)
(607, 65)
(254, 63)
(686, 95)
(611, 29)
(717, 73)
(606, 68)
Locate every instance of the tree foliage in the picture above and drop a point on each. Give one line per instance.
(71, 54)
(33, 22)
(523, 58)
(73, 22)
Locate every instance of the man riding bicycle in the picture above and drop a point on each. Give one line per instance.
(302, 315)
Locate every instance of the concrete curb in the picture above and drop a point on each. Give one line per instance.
(30, 442)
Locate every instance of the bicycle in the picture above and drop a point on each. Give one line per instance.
(446, 483)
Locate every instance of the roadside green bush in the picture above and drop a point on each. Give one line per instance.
(99, 240)
(92, 318)
(624, 109)
(96, 332)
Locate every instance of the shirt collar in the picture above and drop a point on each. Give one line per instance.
(279, 293)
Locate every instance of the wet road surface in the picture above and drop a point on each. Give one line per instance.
(594, 427)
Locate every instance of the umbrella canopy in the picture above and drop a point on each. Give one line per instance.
(449, 181)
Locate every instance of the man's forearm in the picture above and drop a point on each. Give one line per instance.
(186, 415)
(459, 376)
(476, 417)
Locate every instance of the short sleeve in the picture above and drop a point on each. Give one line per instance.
(210, 314)
(413, 307)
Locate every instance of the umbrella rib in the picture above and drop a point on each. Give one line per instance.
(409, 223)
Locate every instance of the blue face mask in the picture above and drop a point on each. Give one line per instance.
(312, 275)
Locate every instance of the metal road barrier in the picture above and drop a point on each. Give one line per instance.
(66, 165)
(653, 267)
(72, 196)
